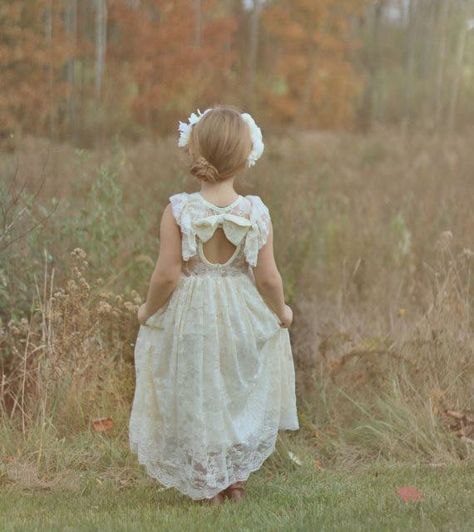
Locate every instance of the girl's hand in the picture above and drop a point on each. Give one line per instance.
(143, 314)
(286, 319)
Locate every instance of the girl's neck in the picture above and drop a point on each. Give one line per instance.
(222, 192)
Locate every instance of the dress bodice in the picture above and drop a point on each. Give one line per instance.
(245, 222)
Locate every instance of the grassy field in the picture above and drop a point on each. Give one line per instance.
(374, 238)
(302, 498)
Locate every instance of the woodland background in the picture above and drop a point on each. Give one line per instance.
(367, 112)
(85, 70)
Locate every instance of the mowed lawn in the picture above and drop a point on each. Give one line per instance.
(301, 498)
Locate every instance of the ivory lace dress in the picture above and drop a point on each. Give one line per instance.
(215, 378)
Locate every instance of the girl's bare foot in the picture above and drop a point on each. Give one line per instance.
(213, 501)
(235, 492)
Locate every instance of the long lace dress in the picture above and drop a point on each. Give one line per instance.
(215, 378)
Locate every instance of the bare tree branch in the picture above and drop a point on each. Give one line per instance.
(15, 204)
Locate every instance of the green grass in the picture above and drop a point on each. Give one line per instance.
(301, 498)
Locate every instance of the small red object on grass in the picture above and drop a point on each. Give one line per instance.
(102, 424)
(409, 493)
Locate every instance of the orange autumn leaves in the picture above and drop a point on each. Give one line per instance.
(172, 57)
(316, 81)
(179, 58)
(33, 49)
(163, 59)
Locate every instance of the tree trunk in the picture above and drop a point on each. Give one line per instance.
(410, 61)
(461, 48)
(48, 31)
(100, 45)
(197, 23)
(71, 30)
(252, 56)
(442, 32)
(305, 105)
(372, 63)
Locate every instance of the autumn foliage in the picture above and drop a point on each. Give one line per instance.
(33, 50)
(94, 68)
(315, 81)
(170, 63)
(162, 59)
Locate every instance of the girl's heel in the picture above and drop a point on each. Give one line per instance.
(235, 492)
(213, 501)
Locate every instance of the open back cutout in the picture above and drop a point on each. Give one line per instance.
(218, 250)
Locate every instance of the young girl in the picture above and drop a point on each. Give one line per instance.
(215, 377)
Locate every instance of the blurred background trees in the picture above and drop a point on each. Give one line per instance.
(85, 70)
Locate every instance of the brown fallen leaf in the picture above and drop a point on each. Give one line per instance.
(460, 423)
(317, 464)
(102, 424)
(409, 494)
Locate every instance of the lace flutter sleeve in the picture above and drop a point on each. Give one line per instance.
(258, 235)
(182, 212)
(178, 202)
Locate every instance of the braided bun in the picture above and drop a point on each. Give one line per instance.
(204, 170)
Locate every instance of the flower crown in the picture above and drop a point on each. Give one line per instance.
(255, 134)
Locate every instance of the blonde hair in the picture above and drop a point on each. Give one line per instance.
(219, 144)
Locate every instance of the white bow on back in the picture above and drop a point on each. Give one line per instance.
(234, 227)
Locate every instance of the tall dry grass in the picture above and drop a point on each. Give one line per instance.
(402, 392)
(373, 236)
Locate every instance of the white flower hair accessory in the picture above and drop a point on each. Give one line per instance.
(185, 129)
(255, 134)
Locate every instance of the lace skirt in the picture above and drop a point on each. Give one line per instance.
(215, 382)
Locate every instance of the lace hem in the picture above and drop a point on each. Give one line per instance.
(158, 471)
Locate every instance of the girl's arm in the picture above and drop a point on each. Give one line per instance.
(269, 283)
(168, 267)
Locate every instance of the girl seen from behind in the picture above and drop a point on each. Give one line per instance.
(215, 378)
